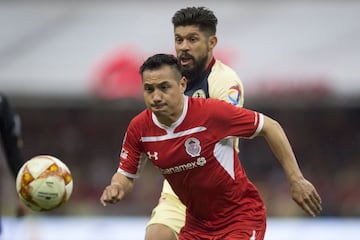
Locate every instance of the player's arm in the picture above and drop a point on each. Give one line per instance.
(131, 165)
(120, 185)
(303, 192)
(11, 136)
(10, 133)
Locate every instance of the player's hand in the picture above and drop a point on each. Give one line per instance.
(306, 196)
(112, 194)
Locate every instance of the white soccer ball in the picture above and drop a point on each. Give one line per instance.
(44, 183)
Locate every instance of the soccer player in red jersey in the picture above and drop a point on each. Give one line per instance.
(182, 137)
(195, 39)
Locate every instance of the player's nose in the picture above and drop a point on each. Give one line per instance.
(157, 96)
(184, 46)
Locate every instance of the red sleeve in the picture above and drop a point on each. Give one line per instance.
(132, 161)
(229, 120)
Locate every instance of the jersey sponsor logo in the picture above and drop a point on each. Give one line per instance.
(192, 147)
(234, 94)
(199, 94)
(124, 153)
(152, 155)
(200, 162)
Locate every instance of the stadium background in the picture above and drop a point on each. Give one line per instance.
(70, 69)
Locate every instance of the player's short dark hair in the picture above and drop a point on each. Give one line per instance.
(158, 60)
(202, 17)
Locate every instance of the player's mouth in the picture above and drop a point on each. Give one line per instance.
(158, 106)
(186, 59)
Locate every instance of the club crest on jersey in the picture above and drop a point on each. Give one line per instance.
(192, 147)
(234, 94)
(199, 94)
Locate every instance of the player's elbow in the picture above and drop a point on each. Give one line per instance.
(270, 126)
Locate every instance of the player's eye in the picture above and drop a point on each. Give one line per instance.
(178, 40)
(148, 89)
(193, 39)
(164, 87)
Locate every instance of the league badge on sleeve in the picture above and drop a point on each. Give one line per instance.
(234, 95)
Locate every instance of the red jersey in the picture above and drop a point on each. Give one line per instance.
(205, 173)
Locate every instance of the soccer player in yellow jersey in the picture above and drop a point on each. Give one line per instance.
(195, 40)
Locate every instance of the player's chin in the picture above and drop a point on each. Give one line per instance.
(187, 65)
(157, 110)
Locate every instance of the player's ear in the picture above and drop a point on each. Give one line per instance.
(212, 41)
(183, 83)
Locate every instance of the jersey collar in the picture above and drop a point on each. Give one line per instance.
(211, 64)
(177, 122)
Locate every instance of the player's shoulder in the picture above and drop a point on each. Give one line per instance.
(225, 84)
(222, 75)
(220, 68)
(141, 119)
(206, 103)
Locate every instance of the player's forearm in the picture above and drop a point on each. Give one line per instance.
(123, 181)
(280, 146)
(120, 185)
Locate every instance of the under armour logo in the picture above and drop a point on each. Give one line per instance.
(152, 155)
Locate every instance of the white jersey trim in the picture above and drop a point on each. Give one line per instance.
(127, 174)
(171, 135)
(142, 162)
(170, 130)
(260, 125)
(224, 154)
(177, 122)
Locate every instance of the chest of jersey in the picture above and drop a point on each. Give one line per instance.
(200, 88)
(180, 151)
(192, 159)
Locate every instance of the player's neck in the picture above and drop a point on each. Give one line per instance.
(171, 118)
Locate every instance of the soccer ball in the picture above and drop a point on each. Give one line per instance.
(44, 183)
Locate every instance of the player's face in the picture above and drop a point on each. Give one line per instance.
(193, 49)
(163, 93)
